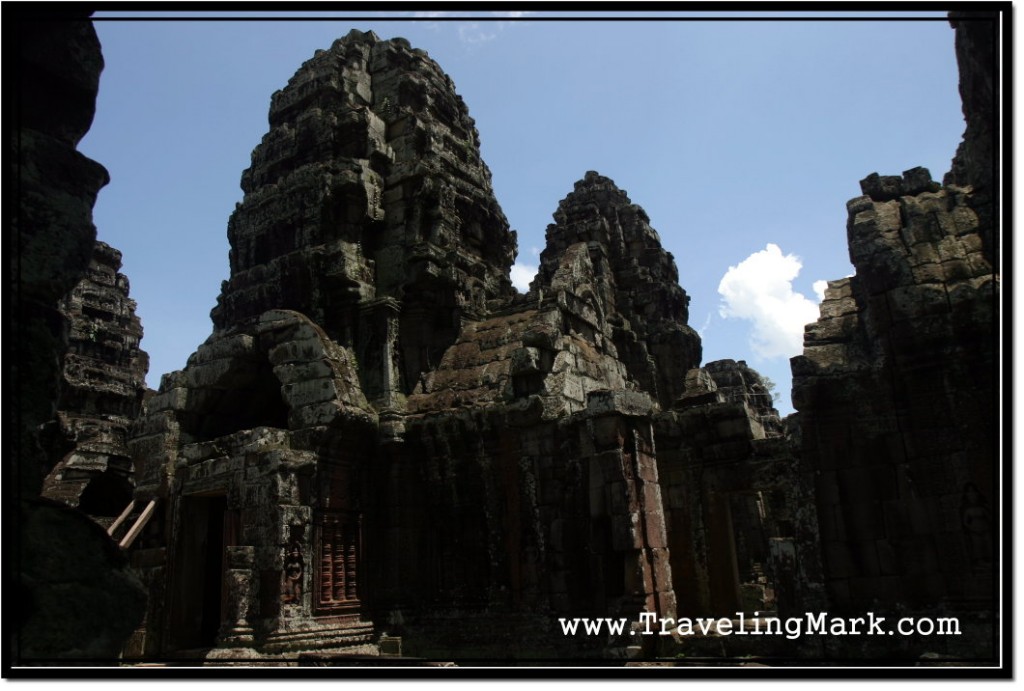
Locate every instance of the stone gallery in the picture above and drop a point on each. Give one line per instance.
(383, 449)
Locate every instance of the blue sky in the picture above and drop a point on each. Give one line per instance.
(743, 141)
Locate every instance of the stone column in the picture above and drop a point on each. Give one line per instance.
(239, 588)
(381, 360)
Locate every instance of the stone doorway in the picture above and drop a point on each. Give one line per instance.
(207, 529)
(742, 561)
(753, 530)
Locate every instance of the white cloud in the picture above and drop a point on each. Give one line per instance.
(819, 289)
(760, 290)
(473, 34)
(522, 274)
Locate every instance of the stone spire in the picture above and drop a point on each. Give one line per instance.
(368, 193)
(637, 280)
(102, 387)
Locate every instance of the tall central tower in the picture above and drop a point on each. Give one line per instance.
(368, 208)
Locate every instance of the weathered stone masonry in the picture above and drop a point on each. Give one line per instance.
(896, 389)
(380, 434)
(103, 386)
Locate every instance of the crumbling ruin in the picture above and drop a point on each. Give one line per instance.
(383, 447)
(381, 433)
(896, 388)
(103, 384)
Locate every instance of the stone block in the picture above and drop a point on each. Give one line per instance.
(651, 496)
(966, 221)
(631, 403)
(296, 350)
(662, 570)
(950, 247)
(666, 602)
(155, 422)
(882, 187)
(572, 389)
(294, 372)
(654, 518)
(304, 393)
(172, 399)
(910, 302)
(922, 251)
(918, 180)
(736, 428)
(979, 265)
(238, 345)
(648, 467)
(313, 415)
(930, 272)
(391, 646)
(859, 205)
(145, 448)
(211, 374)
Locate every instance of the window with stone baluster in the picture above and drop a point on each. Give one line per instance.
(338, 541)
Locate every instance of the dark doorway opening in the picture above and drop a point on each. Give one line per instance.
(200, 593)
(213, 572)
(758, 519)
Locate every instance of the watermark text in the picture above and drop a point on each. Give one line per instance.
(810, 624)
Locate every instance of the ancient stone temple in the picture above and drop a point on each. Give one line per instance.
(382, 448)
(381, 435)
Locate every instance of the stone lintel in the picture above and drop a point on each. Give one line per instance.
(630, 403)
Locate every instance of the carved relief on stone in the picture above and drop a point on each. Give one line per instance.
(294, 568)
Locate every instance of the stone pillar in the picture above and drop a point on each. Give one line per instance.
(239, 588)
(624, 439)
(381, 364)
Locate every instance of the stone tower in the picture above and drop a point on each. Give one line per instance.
(636, 280)
(368, 208)
(103, 384)
(380, 429)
